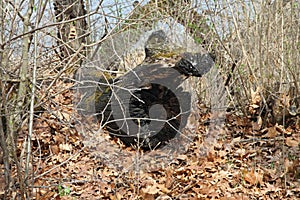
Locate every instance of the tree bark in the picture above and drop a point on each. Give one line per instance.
(71, 35)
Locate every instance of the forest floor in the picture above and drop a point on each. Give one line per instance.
(245, 161)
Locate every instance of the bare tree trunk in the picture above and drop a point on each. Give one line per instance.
(73, 35)
(13, 101)
(5, 158)
(4, 151)
(21, 96)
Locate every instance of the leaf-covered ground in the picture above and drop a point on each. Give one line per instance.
(246, 161)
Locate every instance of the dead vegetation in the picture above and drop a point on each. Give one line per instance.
(245, 145)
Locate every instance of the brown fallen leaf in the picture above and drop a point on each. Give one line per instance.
(287, 165)
(150, 191)
(182, 157)
(291, 142)
(54, 149)
(253, 177)
(169, 179)
(67, 147)
(272, 132)
(257, 125)
(210, 157)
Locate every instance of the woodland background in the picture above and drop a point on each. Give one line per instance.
(255, 155)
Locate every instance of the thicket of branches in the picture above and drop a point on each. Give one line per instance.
(255, 45)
